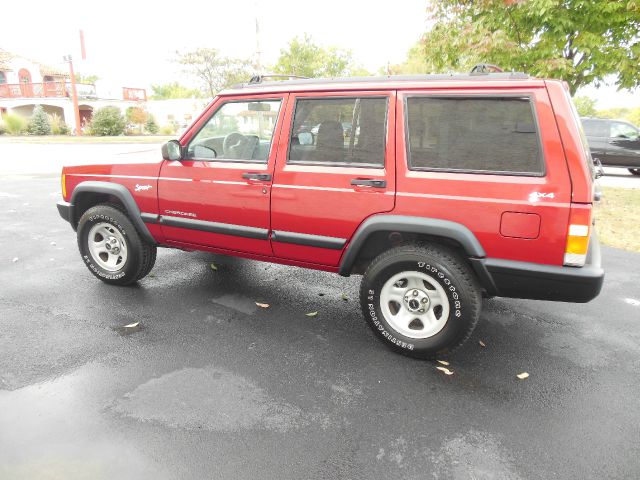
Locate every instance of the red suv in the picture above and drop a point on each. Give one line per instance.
(437, 189)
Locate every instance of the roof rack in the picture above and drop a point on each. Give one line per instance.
(255, 83)
(485, 69)
(259, 78)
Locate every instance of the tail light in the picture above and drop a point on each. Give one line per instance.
(575, 253)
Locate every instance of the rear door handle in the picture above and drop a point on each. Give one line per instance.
(361, 182)
(263, 177)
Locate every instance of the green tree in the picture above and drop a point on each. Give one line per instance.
(305, 58)
(631, 115)
(634, 116)
(579, 41)
(586, 106)
(619, 113)
(151, 126)
(213, 70)
(173, 90)
(39, 123)
(107, 121)
(136, 116)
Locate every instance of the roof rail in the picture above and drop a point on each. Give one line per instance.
(485, 69)
(259, 78)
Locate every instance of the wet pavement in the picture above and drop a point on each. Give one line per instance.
(209, 385)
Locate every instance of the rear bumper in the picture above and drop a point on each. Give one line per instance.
(507, 278)
(65, 210)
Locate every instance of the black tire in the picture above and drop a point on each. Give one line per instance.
(140, 256)
(634, 171)
(151, 261)
(441, 266)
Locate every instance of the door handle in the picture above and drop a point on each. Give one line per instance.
(361, 182)
(263, 177)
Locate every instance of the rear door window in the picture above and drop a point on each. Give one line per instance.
(473, 134)
(595, 128)
(341, 131)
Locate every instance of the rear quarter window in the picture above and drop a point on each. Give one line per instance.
(473, 134)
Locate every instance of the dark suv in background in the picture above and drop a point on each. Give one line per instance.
(615, 143)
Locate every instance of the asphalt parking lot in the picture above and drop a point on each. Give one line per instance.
(209, 385)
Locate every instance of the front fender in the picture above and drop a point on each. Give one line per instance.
(106, 188)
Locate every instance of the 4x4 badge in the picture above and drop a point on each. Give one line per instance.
(535, 196)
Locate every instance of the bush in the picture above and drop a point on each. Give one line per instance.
(168, 129)
(58, 127)
(151, 126)
(3, 128)
(39, 123)
(14, 123)
(107, 121)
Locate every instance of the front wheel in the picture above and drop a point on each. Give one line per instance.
(111, 247)
(421, 300)
(634, 171)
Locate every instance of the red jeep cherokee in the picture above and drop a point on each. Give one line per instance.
(438, 189)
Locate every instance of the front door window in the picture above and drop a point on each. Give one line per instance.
(238, 132)
(623, 130)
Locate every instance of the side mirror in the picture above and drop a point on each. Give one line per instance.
(599, 170)
(172, 150)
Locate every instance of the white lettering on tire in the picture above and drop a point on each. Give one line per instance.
(440, 276)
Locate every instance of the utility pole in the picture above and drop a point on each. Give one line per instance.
(258, 52)
(74, 94)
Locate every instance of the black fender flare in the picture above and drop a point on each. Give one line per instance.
(407, 224)
(119, 191)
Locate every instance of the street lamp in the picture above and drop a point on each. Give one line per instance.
(74, 94)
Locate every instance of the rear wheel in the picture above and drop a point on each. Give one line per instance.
(421, 300)
(634, 171)
(111, 247)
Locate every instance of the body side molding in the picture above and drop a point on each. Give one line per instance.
(319, 241)
(215, 227)
(407, 224)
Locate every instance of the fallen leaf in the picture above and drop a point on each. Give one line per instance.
(444, 370)
(522, 375)
(311, 314)
(15, 260)
(262, 305)
(132, 325)
(213, 266)
(481, 343)
(345, 298)
(443, 362)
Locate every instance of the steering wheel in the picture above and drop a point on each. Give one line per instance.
(233, 144)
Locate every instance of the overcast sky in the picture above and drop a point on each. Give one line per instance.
(131, 43)
(135, 41)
